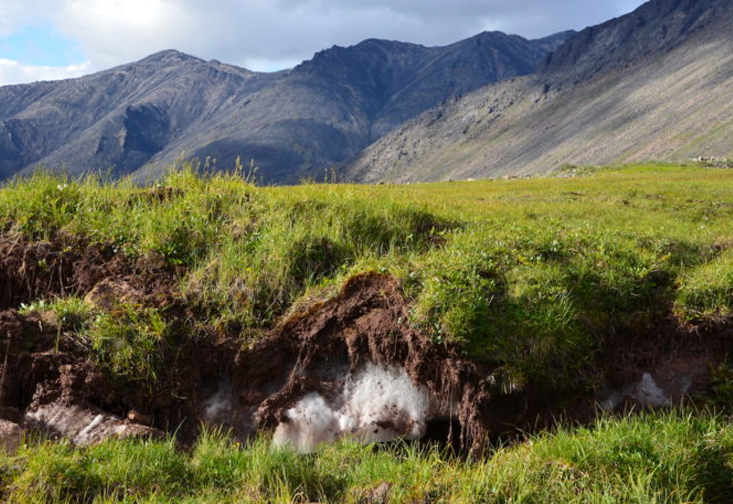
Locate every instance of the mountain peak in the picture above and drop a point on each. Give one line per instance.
(169, 56)
(657, 25)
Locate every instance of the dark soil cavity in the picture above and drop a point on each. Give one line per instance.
(209, 379)
(677, 357)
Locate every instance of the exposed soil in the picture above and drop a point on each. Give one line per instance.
(367, 321)
(41, 365)
(49, 380)
(68, 265)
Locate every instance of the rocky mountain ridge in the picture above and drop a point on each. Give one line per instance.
(656, 84)
(139, 118)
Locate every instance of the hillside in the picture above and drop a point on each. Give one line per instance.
(512, 290)
(138, 118)
(654, 84)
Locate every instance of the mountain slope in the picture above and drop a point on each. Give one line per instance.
(138, 118)
(655, 84)
(119, 118)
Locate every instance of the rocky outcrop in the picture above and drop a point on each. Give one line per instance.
(659, 25)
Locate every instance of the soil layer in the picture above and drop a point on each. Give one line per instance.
(47, 372)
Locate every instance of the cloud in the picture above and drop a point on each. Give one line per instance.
(14, 72)
(111, 32)
(273, 34)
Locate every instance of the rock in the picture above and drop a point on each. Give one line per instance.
(85, 425)
(109, 292)
(137, 417)
(377, 495)
(10, 436)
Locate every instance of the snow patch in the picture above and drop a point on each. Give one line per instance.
(217, 405)
(648, 393)
(645, 392)
(377, 404)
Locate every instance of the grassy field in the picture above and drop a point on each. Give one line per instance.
(661, 458)
(529, 276)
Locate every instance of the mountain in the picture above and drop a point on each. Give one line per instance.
(654, 84)
(138, 118)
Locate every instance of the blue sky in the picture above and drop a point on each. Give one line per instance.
(41, 45)
(52, 39)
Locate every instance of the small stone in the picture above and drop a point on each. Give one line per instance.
(137, 417)
(10, 436)
(377, 495)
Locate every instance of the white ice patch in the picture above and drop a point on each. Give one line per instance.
(83, 436)
(378, 404)
(311, 422)
(83, 425)
(217, 405)
(645, 392)
(648, 393)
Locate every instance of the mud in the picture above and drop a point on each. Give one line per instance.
(317, 350)
(352, 364)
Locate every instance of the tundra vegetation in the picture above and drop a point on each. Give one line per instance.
(532, 277)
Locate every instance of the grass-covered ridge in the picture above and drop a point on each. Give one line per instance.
(528, 275)
(660, 458)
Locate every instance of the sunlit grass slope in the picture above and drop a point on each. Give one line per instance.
(529, 275)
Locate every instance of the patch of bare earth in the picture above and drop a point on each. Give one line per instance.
(320, 354)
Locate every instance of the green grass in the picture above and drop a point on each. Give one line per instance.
(528, 275)
(659, 458)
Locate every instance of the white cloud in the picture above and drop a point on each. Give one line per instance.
(111, 32)
(270, 34)
(14, 72)
(18, 14)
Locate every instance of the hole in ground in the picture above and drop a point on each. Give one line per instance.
(444, 433)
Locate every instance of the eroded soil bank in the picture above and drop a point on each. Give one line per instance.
(352, 365)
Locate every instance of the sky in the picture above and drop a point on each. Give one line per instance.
(55, 39)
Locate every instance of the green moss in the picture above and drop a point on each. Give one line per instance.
(128, 342)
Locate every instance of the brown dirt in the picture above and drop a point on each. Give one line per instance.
(366, 322)
(210, 379)
(68, 265)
